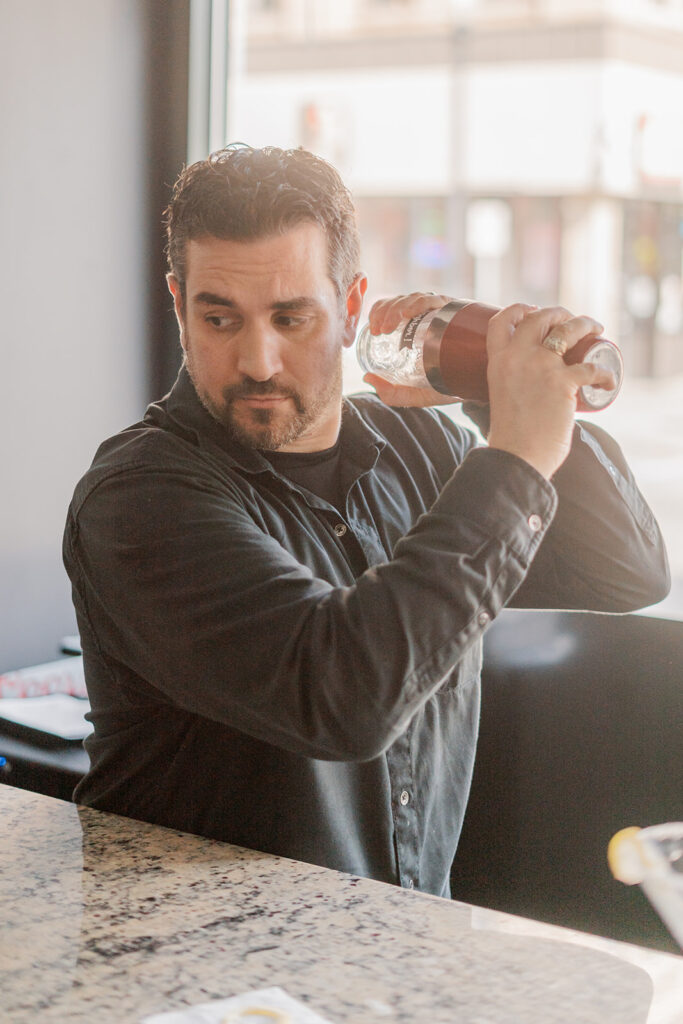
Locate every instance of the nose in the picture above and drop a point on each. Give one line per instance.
(258, 354)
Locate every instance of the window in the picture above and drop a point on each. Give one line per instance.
(576, 157)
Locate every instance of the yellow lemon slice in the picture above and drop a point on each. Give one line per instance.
(625, 856)
(257, 1011)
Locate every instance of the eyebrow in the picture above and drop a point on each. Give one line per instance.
(292, 305)
(211, 299)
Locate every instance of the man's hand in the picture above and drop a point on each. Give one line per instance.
(385, 316)
(532, 390)
(401, 394)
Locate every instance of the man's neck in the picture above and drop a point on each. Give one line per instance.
(320, 436)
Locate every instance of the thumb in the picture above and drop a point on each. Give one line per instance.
(386, 391)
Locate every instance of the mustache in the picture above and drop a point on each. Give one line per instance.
(250, 388)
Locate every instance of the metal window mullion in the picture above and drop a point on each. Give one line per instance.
(210, 24)
(218, 73)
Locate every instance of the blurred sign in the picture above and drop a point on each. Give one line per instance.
(660, 148)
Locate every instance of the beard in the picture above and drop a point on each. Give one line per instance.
(269, 428)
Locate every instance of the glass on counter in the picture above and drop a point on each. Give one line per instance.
(653, 858)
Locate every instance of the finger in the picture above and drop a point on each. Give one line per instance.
(558, 322)
(384, 388)
(589, 375)
(503, 324)
(403, 307)
(571, 331)
(400, 395)
(390, 394)
(385, 316)
(376, 314)
(390, 314)
(539, 323)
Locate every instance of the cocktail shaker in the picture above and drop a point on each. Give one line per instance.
(446, 349)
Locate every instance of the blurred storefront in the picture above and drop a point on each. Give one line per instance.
(503, 150)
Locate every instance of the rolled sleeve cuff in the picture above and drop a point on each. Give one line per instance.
(506, 497)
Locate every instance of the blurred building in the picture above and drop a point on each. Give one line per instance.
(502, 149)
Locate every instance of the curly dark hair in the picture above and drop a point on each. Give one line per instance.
(240, 193)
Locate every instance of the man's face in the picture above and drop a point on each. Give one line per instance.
(263, 329)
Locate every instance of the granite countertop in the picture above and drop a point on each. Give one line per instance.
(109, 919)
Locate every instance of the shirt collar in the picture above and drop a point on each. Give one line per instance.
(360, 442)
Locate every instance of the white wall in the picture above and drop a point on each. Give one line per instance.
(72, 276)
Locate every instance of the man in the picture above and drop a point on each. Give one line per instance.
(281, 593)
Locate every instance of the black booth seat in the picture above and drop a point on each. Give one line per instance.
(581, 735)
(51, 767)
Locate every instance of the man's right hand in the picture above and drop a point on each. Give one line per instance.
(384, 317)
(532, 390)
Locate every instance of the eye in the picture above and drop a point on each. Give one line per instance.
(219, 321)
(288, 321)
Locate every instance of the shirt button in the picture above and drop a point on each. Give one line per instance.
(340, 529)
(404, 797)
(483, 618)
(535, 523)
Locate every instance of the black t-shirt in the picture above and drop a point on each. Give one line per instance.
(318, 472)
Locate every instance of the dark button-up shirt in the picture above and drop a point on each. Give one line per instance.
(269, 670)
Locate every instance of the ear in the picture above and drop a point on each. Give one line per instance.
(354, 305)
(176, 291)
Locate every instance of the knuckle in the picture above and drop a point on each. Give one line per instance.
(564, 327)
(507, 313)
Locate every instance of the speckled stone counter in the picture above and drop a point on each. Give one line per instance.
(106, 919)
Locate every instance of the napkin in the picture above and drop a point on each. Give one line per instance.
(262, 1006)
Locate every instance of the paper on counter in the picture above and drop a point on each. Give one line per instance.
(63, 676)
(277, 1007)
(56, 714)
